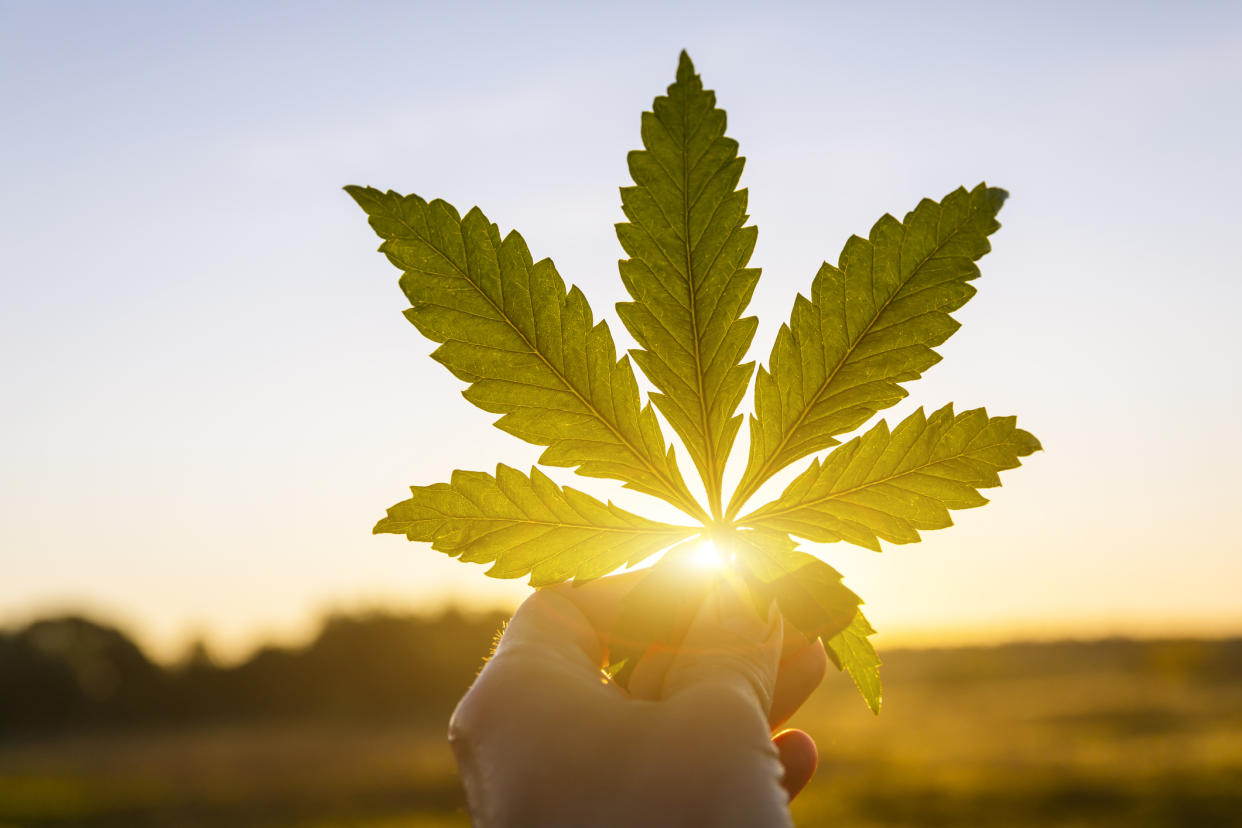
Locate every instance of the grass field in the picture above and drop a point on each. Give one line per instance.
(1105, 734)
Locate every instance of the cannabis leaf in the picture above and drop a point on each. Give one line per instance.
(527, 525)
(530, 350)
(687, 272)
(808, 591)
(851, 651)
(890, 485)
(870, 323)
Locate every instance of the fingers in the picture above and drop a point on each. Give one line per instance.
(647, 680)
(728, 646)
(799, 756)
(802, 668)
(548, 629)
(599, 601)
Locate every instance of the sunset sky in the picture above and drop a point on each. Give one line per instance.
(210, 394)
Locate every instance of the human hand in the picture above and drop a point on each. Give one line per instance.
(543, 739)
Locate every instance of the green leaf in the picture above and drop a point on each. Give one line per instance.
(808, 591)
(523, 525)
(688, 247)
(852, 652)
(530, 350)
(889, 486)
(870, 324)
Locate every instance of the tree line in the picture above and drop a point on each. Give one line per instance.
(71, 672)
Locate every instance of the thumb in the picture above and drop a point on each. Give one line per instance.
(730, 649)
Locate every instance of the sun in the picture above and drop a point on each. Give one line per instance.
(706, 556)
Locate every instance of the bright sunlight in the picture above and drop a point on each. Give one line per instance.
(707, 556)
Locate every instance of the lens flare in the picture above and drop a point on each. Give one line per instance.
(707, 556)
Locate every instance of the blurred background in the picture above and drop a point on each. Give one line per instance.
(209, 394)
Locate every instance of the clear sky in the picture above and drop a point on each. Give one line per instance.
(210, 395)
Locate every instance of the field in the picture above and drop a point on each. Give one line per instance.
(1111, 733)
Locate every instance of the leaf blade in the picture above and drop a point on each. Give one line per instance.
(890, 486)
(689, 245)
(808, 591)
(871, 323)
(527, 525)
(528, 348)
(852, 652)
